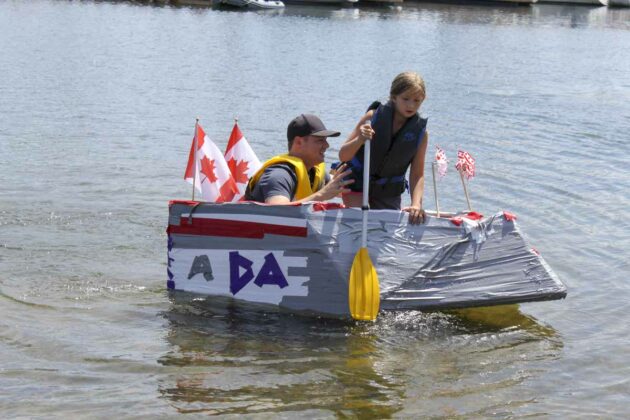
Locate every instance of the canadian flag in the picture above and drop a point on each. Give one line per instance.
(208, 171)
(241, 160)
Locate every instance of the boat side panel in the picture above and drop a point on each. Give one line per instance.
(295, 273)
(439, 264)
(464, 271)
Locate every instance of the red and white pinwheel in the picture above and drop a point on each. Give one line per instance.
(442, 161)
(465, 164)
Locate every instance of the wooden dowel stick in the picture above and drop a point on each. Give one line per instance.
(435, 192)
(195, 158)
(461, 175)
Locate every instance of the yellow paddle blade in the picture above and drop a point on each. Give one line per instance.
(364, 292)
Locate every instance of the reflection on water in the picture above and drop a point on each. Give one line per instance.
(498, 318)
(237, 359)
(240, 360)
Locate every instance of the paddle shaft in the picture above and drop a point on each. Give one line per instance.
(366, 191)
(364, 295)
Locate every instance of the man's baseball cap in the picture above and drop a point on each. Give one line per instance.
(308, 125)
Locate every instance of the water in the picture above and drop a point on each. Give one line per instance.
(97, 109)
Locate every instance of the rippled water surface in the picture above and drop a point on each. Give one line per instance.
(97, 108)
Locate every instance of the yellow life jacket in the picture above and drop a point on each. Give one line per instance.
(304, 186)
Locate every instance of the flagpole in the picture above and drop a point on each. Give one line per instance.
(195, 158)
(461, 175)
(437, 203)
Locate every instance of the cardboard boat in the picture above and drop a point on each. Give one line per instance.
(298, 258)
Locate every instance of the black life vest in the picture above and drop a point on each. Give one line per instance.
(390, 156)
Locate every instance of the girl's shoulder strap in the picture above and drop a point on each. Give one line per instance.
(366, 117)
(373, 106)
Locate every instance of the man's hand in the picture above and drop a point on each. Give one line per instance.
(337, 184)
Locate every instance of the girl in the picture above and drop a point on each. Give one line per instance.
(399, 142)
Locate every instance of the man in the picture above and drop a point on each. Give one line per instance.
(300, 175)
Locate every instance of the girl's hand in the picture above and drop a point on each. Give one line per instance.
(366, 132)
(416, 214)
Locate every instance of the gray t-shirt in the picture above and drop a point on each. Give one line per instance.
(278, 179)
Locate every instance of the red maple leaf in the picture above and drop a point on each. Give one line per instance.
(207, 168)
(239, 170)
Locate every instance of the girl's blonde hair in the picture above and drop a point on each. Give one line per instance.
(405, 81)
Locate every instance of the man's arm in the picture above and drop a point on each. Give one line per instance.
(277, 194)
(277, 185)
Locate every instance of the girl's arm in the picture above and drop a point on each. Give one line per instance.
(416, 183)
(356, 138)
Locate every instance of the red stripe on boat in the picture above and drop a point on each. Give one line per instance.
(233, 228)
(321, 206)
(472, 215)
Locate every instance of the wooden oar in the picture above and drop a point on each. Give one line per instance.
(364, 292)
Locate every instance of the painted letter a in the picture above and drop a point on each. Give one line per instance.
(271, 273)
